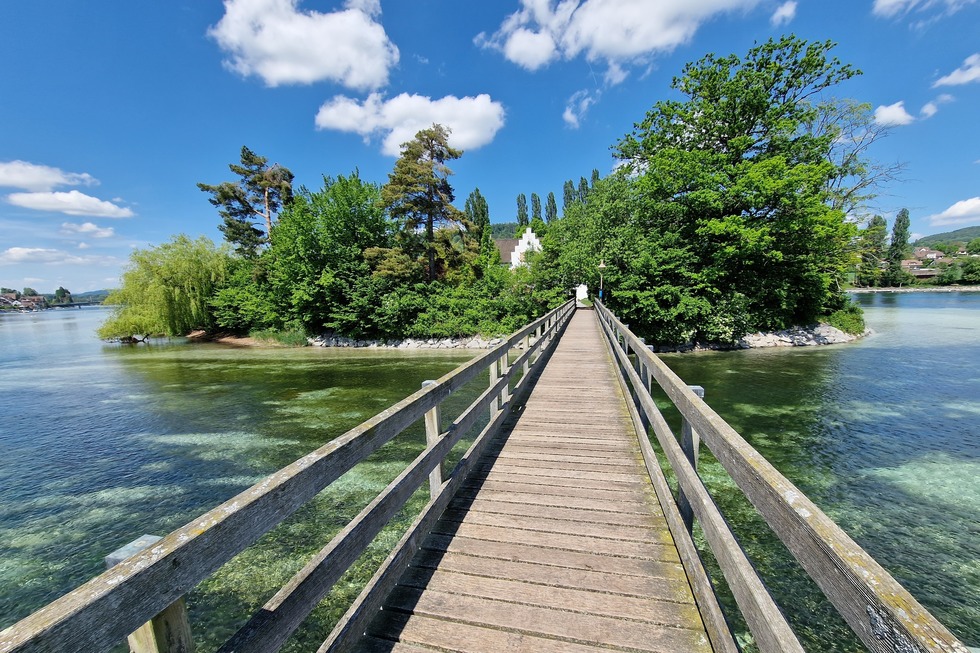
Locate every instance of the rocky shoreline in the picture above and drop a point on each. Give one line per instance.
(814, 335)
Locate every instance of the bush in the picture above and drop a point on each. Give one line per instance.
(849, 319)
(288, 338)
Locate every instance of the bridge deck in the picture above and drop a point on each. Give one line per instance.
(558, 543)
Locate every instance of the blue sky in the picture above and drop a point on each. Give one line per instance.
(112, 110)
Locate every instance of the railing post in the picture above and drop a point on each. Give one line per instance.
(690, 443)
(494, 377)
(432, 433)
(504, 391)
(527, 352)
(169, 631)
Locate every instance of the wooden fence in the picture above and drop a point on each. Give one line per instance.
(104, 611)
(879, 610)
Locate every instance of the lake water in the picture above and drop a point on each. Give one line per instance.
(883, 434)
(101, 443)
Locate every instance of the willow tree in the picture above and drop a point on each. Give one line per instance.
(418, 194)
(256, 198)
(166, 289)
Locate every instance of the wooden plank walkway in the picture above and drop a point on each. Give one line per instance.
(557, 543)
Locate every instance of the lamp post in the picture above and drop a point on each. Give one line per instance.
(602, 266)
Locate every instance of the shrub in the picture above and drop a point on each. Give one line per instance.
(849, 319)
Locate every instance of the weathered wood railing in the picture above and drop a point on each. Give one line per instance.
(102, 612)
(876, 607)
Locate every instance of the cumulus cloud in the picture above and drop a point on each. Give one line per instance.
(968, 72)
(576, 108)
(617, 32)
(282, 44)
(893, 115)
(34, 177)
(962, 212)
(891, 8)
(784, 14)
(931, 108)
(474, 121)
(87, 229)
(71, 203)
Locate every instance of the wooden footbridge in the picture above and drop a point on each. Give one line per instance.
(555, 533)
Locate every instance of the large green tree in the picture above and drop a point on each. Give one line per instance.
(418, 194)
(477, 212)
(250, 205)
(723, 219)
(535, 206)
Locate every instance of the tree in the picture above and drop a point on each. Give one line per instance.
(29, 292)
(595, 177)
(418, 193)
(872, 251)
(62, 296)
(898, 249)
(569, 195)
(259, 194)
(723, 220)
(7, 291)
(551, 209)
(318, 266)
(522, 210)
(477, 211)
(166, 290)
(973, 247)
(535, 206)
(583, 189)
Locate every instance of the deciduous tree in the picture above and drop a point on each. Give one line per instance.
(898, 249)
(551, 208)
(522, 220)
(872, 247)
(535, 206)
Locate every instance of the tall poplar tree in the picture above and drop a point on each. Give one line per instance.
(477, 211)
(418, 193)
(872, 250)
(257, 197)
(551, 208)
(569, 195)
(535, 206)
(898, 249)
(522, 211)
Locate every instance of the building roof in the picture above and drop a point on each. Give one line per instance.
(506, 247)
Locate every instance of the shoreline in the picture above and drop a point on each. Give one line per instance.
(906, 289)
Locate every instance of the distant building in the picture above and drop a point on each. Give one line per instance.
(513, 250)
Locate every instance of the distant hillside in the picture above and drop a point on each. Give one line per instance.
(503, 229)
(964, 235)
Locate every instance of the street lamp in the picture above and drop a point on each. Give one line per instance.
(602, 266)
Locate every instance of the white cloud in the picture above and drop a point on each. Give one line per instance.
(963, 212)
(474, 121)
(893, 115)
(968, 72)
(784, 14)
(931, 108)
(576, 108)
(890, 8)
(87, 229)
(282, 44)
(618, 32)
(34, 177)
(70, 203)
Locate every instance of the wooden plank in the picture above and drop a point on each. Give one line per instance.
(484, 504)
(503, 475)
(664, 581)
(571, 626)
(467, 638)
(643, 609)
(629, 533)
(556, 490)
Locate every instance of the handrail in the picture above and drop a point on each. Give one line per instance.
(103, 611)
(876, 607)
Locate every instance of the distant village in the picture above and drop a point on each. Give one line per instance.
(29, 300)
(928, 263)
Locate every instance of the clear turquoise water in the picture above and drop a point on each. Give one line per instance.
(884, 435)
(100, 443)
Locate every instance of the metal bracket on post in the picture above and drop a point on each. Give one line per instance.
(690, 444)
(169, 631)
(432, 434)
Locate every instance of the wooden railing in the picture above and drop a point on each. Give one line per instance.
(104, 611)
(879, 610)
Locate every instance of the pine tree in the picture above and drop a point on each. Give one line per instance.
(418, 193)
(260, 193)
